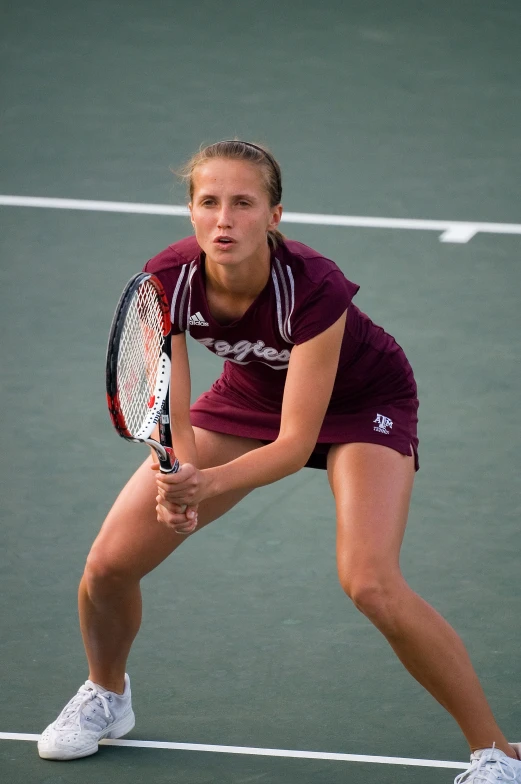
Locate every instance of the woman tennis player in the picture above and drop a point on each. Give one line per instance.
(282, 317)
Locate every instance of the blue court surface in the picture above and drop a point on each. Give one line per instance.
(397, 128)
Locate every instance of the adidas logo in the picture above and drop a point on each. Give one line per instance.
(197, 320)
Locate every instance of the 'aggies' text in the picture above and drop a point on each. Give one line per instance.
(243, 348)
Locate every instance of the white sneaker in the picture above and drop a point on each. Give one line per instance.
(92, 714)
(491, 766)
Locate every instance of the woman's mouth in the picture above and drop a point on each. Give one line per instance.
(224, 240)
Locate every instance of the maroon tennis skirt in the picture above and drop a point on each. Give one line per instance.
(391, 424)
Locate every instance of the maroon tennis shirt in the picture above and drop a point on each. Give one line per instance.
(305, 294)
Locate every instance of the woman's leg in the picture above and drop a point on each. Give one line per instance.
(372, 487)
(132, 543)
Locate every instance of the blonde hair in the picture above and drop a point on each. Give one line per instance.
(235, 149)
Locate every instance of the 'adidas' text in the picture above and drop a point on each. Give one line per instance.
(197, 320)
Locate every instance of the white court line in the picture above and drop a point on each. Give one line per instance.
(318, 755)
(451, 231)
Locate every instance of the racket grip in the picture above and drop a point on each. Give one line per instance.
(171, 464)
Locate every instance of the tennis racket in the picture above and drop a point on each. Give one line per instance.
(138, 367)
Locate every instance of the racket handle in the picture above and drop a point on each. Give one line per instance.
(171, 464)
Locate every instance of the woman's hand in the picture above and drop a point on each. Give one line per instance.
(172, 509)
(179, 496)
(188, 486)
(181, 518)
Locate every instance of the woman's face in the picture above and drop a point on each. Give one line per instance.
(230, 211)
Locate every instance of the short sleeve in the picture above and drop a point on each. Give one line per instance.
(166, 267)
(323, 305)
(174, 267)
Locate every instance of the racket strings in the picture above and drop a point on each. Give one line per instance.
(140, 350)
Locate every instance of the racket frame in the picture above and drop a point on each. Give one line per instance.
(159, 411)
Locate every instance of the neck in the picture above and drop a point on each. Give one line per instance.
(244, 280)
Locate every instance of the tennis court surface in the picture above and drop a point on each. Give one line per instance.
(397, 126)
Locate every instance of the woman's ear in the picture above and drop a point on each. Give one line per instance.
(276, 215)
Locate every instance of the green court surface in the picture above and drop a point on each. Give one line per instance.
(404, 110)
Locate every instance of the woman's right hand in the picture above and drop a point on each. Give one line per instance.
(182, 519)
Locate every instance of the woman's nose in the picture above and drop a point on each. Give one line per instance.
(224, 218)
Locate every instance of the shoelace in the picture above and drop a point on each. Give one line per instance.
(85, 695)
(480, 772)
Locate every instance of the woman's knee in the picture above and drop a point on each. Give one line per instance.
(104, 575)
(376, 594)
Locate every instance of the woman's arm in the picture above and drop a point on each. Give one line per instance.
(179, 516)
(311, 374)
(180, 390)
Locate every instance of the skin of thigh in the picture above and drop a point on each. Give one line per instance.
(372, 485)
(131, 540)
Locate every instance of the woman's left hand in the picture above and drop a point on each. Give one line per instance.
(188, 486)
